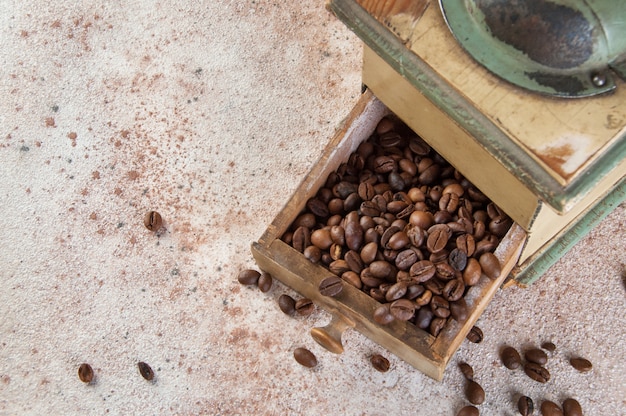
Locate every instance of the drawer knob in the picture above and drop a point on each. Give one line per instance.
(329, 336)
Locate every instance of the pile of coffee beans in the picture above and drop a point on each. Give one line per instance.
(401, 224)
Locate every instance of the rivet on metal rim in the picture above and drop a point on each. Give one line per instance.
(598, 79)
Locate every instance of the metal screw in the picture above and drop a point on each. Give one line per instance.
(598, 79)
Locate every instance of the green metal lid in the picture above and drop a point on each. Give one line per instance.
(564, 48)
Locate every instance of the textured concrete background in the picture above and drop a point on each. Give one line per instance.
(212, 113)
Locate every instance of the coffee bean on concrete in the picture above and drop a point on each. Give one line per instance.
(525, 406)
(145, 370)
(468, 411)
(571, 407)
(536, 355)
(581, 364)
(510, 358)
(248, 277)
(467, 371)
(474, 392)
(305, 357)
(475, 335)
(287, 304)
(331, 286)
(380, 363)
(85, 373)
(549, 408)
(265, 282)
(537, 372)
(548, 346)
(153, 221)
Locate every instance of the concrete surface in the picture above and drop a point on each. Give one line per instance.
(212, 113)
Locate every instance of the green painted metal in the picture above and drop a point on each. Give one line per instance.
(560, 48)
(424, 79)
(537, 265)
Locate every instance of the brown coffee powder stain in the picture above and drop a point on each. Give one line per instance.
(555, 157)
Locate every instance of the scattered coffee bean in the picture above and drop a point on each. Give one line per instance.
(548, 346)
(468, 411)
(85, 373)
(305, 306)
(331, 286)
(475, 335)
(145, 370)
(265, 282)
(581, 364)
(525, 406)
(467, 371)
(153, 221)
(474, 392)
(380, 363)
(248, 277)
(305, 357)
(510, 358)
(287, 304)
(535, 355)
(571, 407)
(549, 408)
(537, 372)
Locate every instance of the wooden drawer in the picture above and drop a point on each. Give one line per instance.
(353, 308)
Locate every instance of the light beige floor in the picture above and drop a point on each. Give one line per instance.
(211, 113)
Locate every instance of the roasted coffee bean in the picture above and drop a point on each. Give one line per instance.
(459, 310)
(510, 358)
(490, 265)
(424, 298)
(466, 244)
(423, 317)
(467, 371)
(472, 272)
(474, 392)
(449, 202)
(457, 259)
(537, 356)
(305, 220)
(321, 238)
(385, 125)
(422, 219)
(444, 271)
(402, 309)
(145, 370)
(414, 290)
(500, 225)
(248, 277)
(354, 235)
(440, 307)
(305, 357)
(368, 279)
(317, 207)
(287, 304)
(301, 238)
(331, 286)
(380, 363)
(548, 346)
(339, 267)
(436, 326)
(353, 279)
(384, 164)
(406, 258)
(382, 315)
(475, 335)
(434, 285)
(422, 271)
(381, 269)
(366, 191)
(581, 364)
(525, 406)
(354, 262)
(153, 221)
(396, 291)
(571, 407)
(453, 290)
(85, 373)
(549, 408)
(468, 411)
(537, 372)
(265, 282)
(398, 241)
(437, 239)
(313, 254)
(304, 306)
